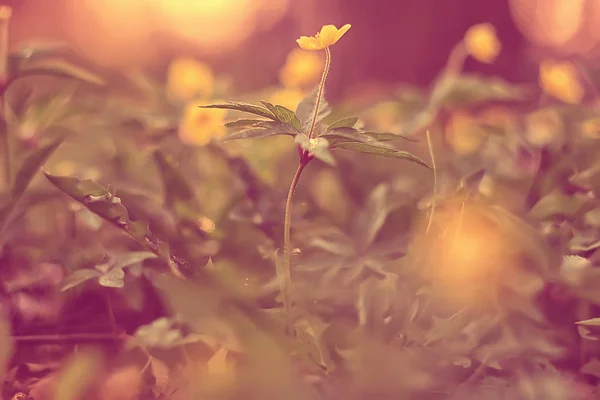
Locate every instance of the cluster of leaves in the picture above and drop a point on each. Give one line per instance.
(179, 244)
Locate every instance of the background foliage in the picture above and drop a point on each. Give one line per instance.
(139, 250)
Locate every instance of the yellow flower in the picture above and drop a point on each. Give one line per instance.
(559, 79)
(463, 133)
(199, 126)
(301, 69)
(5, 13)
(544, 127)
(328, 36)
(289, 98)
(188, 78)
(482, 43)
(590, 128)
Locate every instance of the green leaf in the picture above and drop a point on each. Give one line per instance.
(244, 107)
(284, 115)
(262, 129)
(31, 166)
(132, 257)
(59, 67)
(176, 188)
(113, 278)
(374, 216)
(348, 122)
(589, 322)
(76, 278)
(93, 195)
(318, 147)
(559, 204)
(244, 123)
(24, 176)
(463, 90)
(252, 133)
(307, 107)
(377, 149)
(354, 135)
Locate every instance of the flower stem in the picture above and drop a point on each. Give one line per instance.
(5, 14)
(320, 94)
(286, 281)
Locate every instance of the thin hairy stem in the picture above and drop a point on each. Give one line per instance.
(434, 195)
(320, 94)
(286, 280)
(5, 14)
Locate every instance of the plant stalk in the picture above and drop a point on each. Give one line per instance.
(286, 279)
(320, 94)
(5, 14)
(286, 282)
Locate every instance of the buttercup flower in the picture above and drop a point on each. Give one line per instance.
(328, 36)
(482, 43)
(463, 134)
(289, 98)
(559, 79)
(544, 127)
(188, 78)
(301, 69)
(199, 126)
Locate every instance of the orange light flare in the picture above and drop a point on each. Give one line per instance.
(565, 26)
(218, 26)
(465, 252)
(113, 33)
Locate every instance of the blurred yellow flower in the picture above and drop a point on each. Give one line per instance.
(5, 12)
(463, 133)
(328, 36)
(559, 79)
(287, 97)
(199, 126)
(544, 127)
(482, 43)
(188, 78)
(301, 69)
(590, 128)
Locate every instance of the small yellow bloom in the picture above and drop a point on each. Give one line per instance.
(199, 126)
(289, 98)
(590, 128)
(482, 43)
(544, 127)
(559, 79)
(5, 13)
(188, 78)
(328, 36)
(301, 69)
(463, 134)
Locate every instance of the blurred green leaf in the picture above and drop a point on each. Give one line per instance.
(459, 91)
(307, 108)
(176, 188)
(78, 277)
(23, 177)
(244, 123)
(112, 278)
(557, 204)
(348, 122)
(376, 149)
(131, 258)
(244, 107)
(284, 115)
(59, 67)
